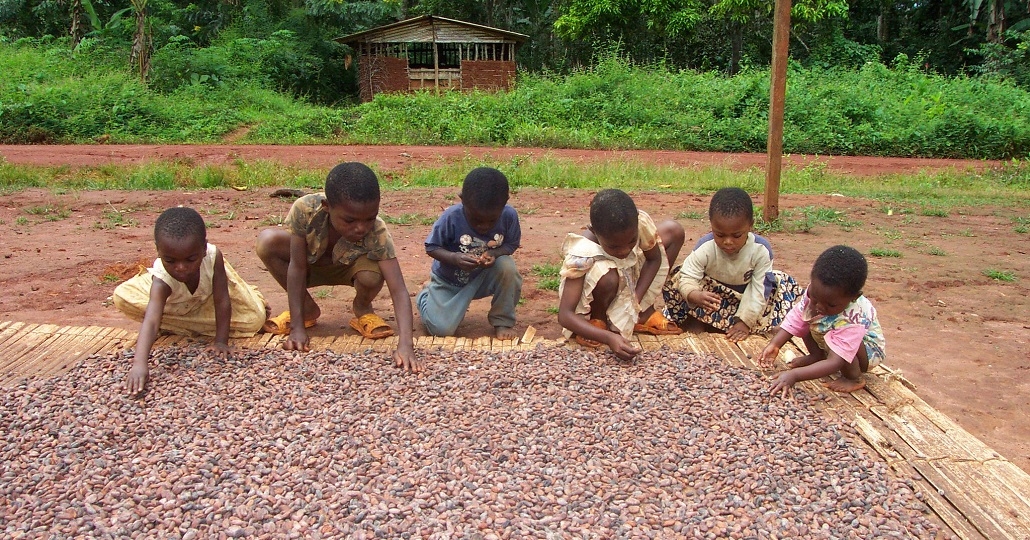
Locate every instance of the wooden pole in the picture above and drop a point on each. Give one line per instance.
(777, 93)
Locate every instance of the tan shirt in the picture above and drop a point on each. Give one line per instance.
(309, 218)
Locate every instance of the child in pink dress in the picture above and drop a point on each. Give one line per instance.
(839, 326)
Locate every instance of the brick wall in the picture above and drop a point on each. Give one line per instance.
(487, 74)
(378, 74)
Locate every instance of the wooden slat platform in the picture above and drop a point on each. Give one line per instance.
(975, 492)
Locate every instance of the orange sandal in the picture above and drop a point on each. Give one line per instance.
(589, 343)
(280, 325)
(657, 325)
(371, 326)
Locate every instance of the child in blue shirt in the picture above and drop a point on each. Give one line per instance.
(472, 243)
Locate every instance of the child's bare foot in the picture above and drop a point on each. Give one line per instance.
(504, 333)
(846, 385)
(802, 361)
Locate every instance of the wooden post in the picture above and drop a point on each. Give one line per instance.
(777, 93)
(436, 61)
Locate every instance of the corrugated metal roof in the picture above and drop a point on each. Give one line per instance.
(421, 29)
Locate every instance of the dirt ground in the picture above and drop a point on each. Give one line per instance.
(959, 335)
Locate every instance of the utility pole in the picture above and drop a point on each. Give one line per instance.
(777, 93)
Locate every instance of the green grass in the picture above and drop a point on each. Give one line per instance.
(692, 215)
(49, 212)
(549, 284)
(113, 217)
(553, 310)
(881, 252)
(937, 252)
(934, 212)
(1000, 275)
(409, 219)
(1022, 225)
(546, 270)
(944, 189)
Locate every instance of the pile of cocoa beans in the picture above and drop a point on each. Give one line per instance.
(548, 443)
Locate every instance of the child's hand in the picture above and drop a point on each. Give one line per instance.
(783, 383)
(466, 262)
(738, 331)
(136, 379)
(768, 355)
(220, 350)
(486, 260)
(706, 299)
(622, 348)
(297, 340)
(404, 357)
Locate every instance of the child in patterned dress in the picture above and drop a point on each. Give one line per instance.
(839, 326)
(728, 282)
(613, 272)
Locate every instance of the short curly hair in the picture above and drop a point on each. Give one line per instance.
(841, 267)
(485, 189)
(612, 211)
(351, 181)
(180, 222)
(731, 202)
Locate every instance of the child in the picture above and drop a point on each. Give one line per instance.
(839, 326)
(191, 290)
(337, 238)
(727, 282)
(472, 243)
(613, 272)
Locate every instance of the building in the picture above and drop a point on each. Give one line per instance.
(433, 52)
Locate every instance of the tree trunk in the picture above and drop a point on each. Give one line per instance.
(76, 27)
(881, 26)
(736, 45)
(996, 21)
(141, 41)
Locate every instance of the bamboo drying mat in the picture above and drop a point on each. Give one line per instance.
(975, 492)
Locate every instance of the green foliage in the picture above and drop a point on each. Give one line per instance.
(1000, 275)
(549, 284)
(547, 270)
(883, 252)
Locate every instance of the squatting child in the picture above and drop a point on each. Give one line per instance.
(612, 273)
(338, 238)
(839, 326)
(190, 290)
(471, 244)
(728, 282)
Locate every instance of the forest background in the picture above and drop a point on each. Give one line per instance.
(940, 78)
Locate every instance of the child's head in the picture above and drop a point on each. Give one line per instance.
(838, 276)
(352, 199)
(483, 196)
(614, 220)
(731, 215)
(181, 239)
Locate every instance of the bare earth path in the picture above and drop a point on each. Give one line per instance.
(960, 336)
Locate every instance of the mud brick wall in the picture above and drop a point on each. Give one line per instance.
(487, 74)
(377, 74)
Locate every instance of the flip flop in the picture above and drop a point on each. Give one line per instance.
(280, 325)
(367, 324)
(589, 343)
(658, 325)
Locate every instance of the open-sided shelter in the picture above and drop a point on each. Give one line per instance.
(433, 52)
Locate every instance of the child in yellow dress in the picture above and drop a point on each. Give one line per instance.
(190, 290)
(613, 272)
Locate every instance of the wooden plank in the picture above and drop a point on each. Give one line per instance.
(1015, 479)
(48, 357)
(12, 330)
(924, 436)
(956, 493)
(957, 442)
(951, 517)
(13, 352)
(994, 498)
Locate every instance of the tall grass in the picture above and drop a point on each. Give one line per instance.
(1008, 186)
(50, 94)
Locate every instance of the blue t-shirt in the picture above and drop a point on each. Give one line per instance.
(453, 233)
